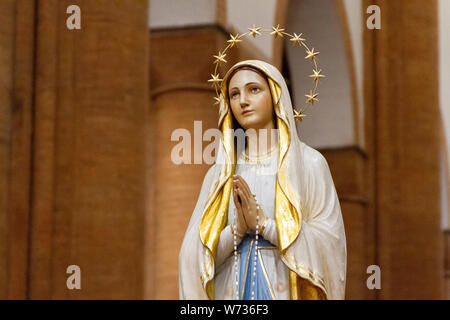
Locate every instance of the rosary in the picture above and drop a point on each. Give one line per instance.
(255, 259)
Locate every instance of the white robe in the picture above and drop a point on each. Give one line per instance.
(260, 176)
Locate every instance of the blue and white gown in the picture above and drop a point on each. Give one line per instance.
(271, 280)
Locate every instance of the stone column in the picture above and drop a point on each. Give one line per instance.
(90, 117)
(406, 150)
(6, 105)
(17, 59)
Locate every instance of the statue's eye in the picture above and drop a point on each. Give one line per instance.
(254, 89)
(234, 94)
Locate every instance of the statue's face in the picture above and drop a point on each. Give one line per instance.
(250, 99)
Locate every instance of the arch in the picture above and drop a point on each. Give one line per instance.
(339, 91)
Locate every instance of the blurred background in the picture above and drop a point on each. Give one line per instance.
(86, 118)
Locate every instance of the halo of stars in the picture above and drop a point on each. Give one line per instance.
(277, 32)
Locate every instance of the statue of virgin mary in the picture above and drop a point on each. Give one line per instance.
(267, 223)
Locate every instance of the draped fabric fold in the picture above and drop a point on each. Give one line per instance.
(311, 236)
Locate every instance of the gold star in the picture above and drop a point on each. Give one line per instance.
(312, 97)
(234, 40)
(311, 54)
(317, 75)
(298, 116)
(254, 31)
(215, 79)
(220, 58)
(277, 31)
(297, 39)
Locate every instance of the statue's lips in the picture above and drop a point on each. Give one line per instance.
(246, 112)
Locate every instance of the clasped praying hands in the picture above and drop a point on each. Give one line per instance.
(248, 212)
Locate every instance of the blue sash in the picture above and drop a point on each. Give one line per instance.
(263, 288)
